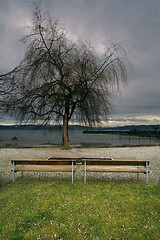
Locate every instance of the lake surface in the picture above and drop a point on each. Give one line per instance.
(77, 137)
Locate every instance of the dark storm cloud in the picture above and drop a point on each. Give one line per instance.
(14, 15)
(137, 22)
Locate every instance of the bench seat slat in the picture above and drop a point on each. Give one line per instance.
(123, 168)
(45, 168)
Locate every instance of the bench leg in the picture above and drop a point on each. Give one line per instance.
(137, 175)
(72, 173)
(146, 172)
(13, 171)
(22, 174)
(84, 172)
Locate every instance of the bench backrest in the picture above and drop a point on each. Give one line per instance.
(44, 162)
(89, 161)
(93, 161)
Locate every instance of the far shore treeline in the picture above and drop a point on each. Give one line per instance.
(81, 127)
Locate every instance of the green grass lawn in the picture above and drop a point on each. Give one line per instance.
(47, 209)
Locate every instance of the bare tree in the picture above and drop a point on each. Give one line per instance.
(60, 79)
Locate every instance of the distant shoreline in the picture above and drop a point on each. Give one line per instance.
(80, 127)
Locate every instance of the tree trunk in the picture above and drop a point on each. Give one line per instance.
(65, 132)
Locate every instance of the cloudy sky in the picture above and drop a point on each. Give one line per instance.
(135, 21)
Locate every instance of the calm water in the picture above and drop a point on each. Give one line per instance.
(45, 137)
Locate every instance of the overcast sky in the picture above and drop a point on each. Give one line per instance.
(135, 21)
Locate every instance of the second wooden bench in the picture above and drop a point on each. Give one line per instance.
(111, 165)
(49, 165)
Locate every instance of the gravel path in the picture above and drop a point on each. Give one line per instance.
(139, 153)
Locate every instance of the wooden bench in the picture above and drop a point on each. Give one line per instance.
(48, 165)
(90, 165)
(111, 165)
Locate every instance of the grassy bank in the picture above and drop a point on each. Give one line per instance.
(59, 210)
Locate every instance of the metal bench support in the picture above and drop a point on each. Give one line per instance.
(72, 172)
(13, 171)
(85, 172)
(146, 172)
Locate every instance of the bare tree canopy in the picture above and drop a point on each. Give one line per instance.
(59, 79)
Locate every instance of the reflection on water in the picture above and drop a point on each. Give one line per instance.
(47, 137)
